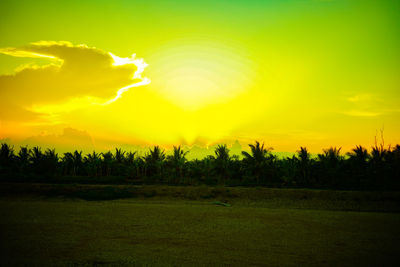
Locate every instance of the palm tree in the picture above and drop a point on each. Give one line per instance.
(156, 154)
(177, 161)
(68, 164)
(73, 163)
(93, 163)
(36, 154)
(331, 154)
(130, 157)
(303, 155)
(119, 161)
(304, 165)
(23, 158)
(208, 170)
(133, 164)
(222, 161)
(6, 152)
(154, 161)
(359, 154)
(378, 154)
(50, 161)
(258, 160)
(393, 166)
(357, 166)
(258, 152)
(6, 157)
(330, 167)
(108, 159)
(119, 155)
(37, 159)
(78, 162)
(23, 154)
(378, 165)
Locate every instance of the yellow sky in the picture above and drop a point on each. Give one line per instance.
(315, 74)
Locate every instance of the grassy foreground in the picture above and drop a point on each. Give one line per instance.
(160, 232)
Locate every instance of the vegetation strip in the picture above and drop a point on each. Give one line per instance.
(358, 170)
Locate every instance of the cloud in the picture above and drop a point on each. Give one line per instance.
(362, 113)
(69, 140)
(364, 105)
(363, 98)
(76, 76)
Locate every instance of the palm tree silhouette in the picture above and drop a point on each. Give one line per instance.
(108, 159)
(73, 163)
(6, 157)
(177, 161)
(358, 166)
(379, 169)
(130, 157)
(36, 154)
(37, 159)
(154, 161)
(131, 164)
(93, 162)
(6, 151)
(331, 155)
(256, 162)
(304, 165)
(222, 161)
(330, 167)
(68, 163)
(119, 155)
(156, 154)
(78, 162)
(24, 158)
(50, 163)
(119, 161)
(359, 154)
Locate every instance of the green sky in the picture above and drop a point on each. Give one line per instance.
(310, 73)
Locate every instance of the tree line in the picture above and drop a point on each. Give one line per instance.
(359, 169)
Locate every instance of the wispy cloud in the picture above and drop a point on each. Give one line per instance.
(363, 98)
(361, 113)
(363, 105)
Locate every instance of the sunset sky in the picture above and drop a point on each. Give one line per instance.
(287, 73)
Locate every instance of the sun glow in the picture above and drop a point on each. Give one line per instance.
(194, 74)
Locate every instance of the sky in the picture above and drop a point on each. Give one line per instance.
(103, 74)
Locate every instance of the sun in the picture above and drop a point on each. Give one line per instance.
(194, 75)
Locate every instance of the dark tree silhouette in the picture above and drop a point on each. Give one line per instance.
(304, 167)
(330, 167)
(259, 162)
(93, 164)
(222, 162)
(50, 162)
(24, 159)
(108, 159)
(377, 170)
(154, 163)
(357, 167)
(7, 158)
(177, 162)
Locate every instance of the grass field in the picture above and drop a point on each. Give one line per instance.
(59, 231)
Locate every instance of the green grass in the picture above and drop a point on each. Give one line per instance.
(253, 196)
(39, 231)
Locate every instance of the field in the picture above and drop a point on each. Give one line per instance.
(292, 228)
